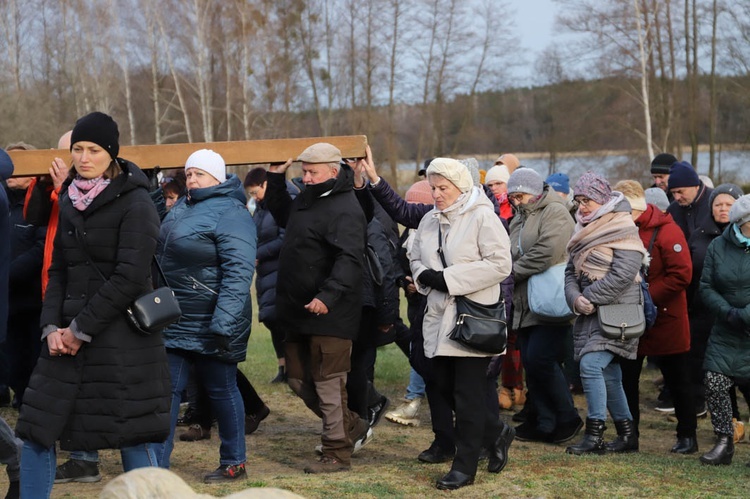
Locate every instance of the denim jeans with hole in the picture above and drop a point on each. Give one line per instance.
(38, 465)
(601, 378)
(220, 381)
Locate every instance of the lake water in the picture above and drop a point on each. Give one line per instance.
(732, 165)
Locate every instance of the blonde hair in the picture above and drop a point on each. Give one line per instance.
(158, 483)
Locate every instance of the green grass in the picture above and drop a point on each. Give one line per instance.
(388, 467)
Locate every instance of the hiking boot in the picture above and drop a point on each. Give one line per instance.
(327, 464)
(226, 473)
(196, 432)
(375, 412)
(739, 430)
(505, 398)
(77, 470)
(407, 413)
(188, 418)
(253, 420)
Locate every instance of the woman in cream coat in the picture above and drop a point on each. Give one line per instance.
(477, 251)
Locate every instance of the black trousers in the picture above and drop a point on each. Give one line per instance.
(463, 383)
(701, 322)
(441, 413)
(677, 378)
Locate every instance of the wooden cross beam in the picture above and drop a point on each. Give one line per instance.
(244, 152)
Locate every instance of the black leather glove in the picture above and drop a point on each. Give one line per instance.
(222, 342)
(153, 178)
(433, 279)
(734, 319)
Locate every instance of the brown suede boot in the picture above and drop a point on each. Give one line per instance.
(505, 398)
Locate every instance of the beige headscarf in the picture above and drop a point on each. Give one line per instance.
(453, 170)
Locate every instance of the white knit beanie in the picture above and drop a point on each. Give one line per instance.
(498, 173)
(453, 170)
(739, 213)
(208, 161)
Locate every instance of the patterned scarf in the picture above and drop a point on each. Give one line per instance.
(82, 191)
(593, 245)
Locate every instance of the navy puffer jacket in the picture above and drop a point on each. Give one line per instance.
(270, 239)
(207, 250)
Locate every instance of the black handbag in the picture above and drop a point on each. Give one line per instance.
(151, 312)
(480, 327)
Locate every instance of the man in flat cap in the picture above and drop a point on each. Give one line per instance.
(319, 293)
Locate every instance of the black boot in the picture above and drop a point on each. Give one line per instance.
(722, 452)
(280, 376)
(627, 437)
(592, 442)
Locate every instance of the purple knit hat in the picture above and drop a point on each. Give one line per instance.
(593, 186)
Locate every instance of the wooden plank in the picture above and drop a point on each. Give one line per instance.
(244, 152)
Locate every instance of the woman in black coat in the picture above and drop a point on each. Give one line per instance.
(98, 383)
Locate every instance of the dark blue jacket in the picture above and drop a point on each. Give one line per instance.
(270, 238)
(698, 225)
(6, 170)
(207, 251)
(27, 253)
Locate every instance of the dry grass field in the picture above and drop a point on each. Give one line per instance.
(388, 467)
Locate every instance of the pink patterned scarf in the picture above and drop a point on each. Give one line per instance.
(82, 191)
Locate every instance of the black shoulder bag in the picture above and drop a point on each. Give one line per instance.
(151, 312)
(480, 327)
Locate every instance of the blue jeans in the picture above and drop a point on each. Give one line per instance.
(602, 383)
(542, 351)
(38, 466)
(220, 381)
(416, 386)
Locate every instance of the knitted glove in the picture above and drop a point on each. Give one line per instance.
(433, 279)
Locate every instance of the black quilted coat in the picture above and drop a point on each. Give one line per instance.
(116, 391)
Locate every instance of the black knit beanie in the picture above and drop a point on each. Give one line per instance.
(662, 162)
(98, 128)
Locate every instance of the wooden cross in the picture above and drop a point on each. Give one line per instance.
(243, 152)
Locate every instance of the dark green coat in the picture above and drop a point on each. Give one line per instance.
(725, 284)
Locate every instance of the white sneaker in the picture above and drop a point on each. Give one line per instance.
(406, 414)
(366, 439)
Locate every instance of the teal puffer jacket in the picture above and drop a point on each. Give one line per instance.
(725, 285)
(207, 247)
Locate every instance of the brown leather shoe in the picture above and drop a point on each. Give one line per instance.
(196, 432)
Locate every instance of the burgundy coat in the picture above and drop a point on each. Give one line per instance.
(668, 276)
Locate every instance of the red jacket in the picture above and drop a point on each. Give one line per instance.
(49, 242)
(668, 276)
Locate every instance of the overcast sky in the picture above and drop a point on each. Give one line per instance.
(535, 20)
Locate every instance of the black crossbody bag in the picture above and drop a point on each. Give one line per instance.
(480, 327)
(151, 312)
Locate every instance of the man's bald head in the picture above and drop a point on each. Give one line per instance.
(64, 142)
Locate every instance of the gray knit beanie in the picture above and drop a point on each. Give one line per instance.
(657, 197)
(732, 189)
(527, 181)
(739, 213)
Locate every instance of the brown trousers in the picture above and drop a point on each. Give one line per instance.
(317, 368)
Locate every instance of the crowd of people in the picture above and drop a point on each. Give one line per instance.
(79, 245)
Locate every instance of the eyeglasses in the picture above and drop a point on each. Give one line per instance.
(516, 197)
(581, 201)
